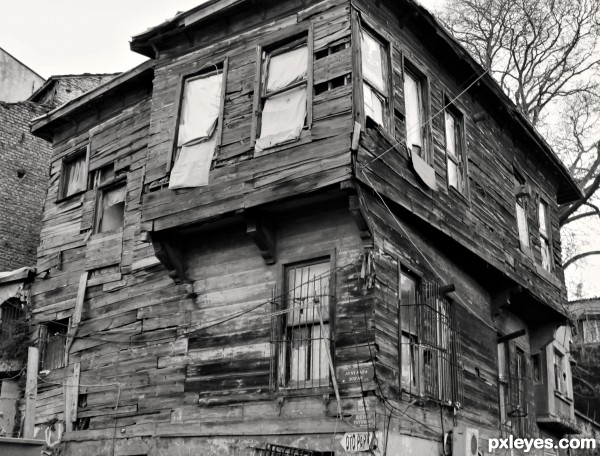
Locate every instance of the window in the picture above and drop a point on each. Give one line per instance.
(455, 149)
(304, 348)
(430, 362)
(73, 176)
(12, 313)
(284, 96)
(415, 109)
(591, 331)
(198, 133)
(110, 208)
(537, 368)
(512, 388)
(545, 236)
(560, 373)
(102, 176)
(375, 73)
(521, 203)
(53, 343)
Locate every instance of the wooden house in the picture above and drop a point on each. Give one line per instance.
(302, 227)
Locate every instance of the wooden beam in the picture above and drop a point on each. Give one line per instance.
(31, 392)
(76, 318)
(511, 336)
(263, 235)
(71, 395)
(170, 256)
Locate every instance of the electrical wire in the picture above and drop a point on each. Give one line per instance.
(410, 130)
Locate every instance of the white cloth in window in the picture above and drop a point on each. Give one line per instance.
(76, 176)
(287, 68)
(200, 110)
(282, 118)
(372, 62)
(373, 105)
(192, 167)
(412, 100)
(197, 136)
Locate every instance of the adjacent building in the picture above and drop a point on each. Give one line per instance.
(300, 228)
(17, 80)
(24, 178)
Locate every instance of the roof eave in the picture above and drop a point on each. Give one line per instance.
(40, 125)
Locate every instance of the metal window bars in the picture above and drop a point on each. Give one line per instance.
(430, 347)
(300, 328)
(52, 345)
(11, 312)
(280, 450)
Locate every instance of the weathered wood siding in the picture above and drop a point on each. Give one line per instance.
(484, 220)
(239, 179)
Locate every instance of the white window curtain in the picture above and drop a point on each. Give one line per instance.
(282, 118)
(196, 138)
(414, 115)
(283, 114)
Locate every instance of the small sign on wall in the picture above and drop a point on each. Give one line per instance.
(356, 374)
(354, 442)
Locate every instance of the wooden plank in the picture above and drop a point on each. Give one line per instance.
(31, 392)
(71, 395)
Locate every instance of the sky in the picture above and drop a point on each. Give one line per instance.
(55, 37)
(84, 36)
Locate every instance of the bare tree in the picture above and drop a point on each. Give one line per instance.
(545, 54)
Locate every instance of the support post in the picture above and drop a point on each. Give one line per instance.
(31, 392)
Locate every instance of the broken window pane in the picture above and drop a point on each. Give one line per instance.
(112, 209)
(197, 137)
(74, 175)
(372, 53)
(373, 105)
(282, 118)
(374, 74)
(413, 100)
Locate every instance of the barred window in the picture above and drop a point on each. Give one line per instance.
(52, 344)
(11, 312)
(301, 335)
(430, 353)
(512, 387)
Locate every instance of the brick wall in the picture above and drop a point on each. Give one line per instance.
(23, 181)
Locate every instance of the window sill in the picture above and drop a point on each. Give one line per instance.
(562, 397)
(454, 192)
(62, 199)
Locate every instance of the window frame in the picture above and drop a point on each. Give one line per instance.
(442, 355)
(419, 74)
(44, 339)
(281, 360)
(66, 160)
(523, 203)
(386, 45)
(545, 238)
(101, 189)
(460, 135)
(207, 70)
(268, 46)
